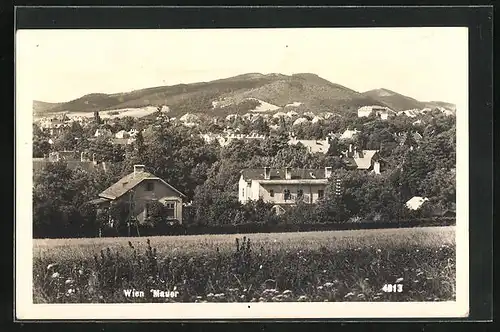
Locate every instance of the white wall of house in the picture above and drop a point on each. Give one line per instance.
(275, 192)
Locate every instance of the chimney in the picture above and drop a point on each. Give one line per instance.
(376, 167)
(267, 173)
(288, 173)
(328, 172)
(138, 169)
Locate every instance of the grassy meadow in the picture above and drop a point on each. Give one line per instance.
(309, 266)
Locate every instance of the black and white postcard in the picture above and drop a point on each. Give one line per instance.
(242, 173)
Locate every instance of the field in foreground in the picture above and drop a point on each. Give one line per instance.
(312, 266)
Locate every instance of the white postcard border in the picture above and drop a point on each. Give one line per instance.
(26, 310)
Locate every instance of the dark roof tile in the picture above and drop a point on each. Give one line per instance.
(130, 181)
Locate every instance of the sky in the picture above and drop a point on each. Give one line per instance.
(423, 63)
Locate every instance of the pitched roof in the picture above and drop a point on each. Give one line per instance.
(312, 145)
(349, 133)
(129, 182)
(279, 174)
(363, 159)
(416, 202)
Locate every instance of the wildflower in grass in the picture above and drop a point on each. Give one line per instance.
(55, 275)
(302, 298)
(349, 294)
(379, 250)
(361, 296)
(70, 291)
(328, 284)
(260, 267)
(210, 295)
(324, 271)
(242, 297)
(51, 266)
(399, 280)
(287, 292)
(319, 287)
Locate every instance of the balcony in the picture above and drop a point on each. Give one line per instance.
(306, 198)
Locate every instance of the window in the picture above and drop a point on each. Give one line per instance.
(150, 186)
(243, 192)
(321, 193)
(300, 193)
(271, 193)
(286, 194)
(170, 210)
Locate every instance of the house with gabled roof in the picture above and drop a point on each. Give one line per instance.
(366, 160)
(139, 189)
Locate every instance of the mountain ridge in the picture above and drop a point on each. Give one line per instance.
(313, 92)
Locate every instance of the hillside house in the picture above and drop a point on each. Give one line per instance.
(312, 146)
(122, 134)
(300, 121)
(103, 132)
(138, 189)
(415, 202)
(383, 112)
(409, 113)
(189, 118)
(231, 117)
(284, 186)
(365, 160)
(122, 141)
(317, 119)
(327, 115)
(72, 159)
(349, 134)
(278, 115)
(409, 139)
(53, 126)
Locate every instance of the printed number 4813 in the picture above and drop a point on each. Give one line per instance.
(393, 288)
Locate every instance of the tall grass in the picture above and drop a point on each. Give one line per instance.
(316, 266)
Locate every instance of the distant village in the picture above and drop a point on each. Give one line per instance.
(281, 187)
